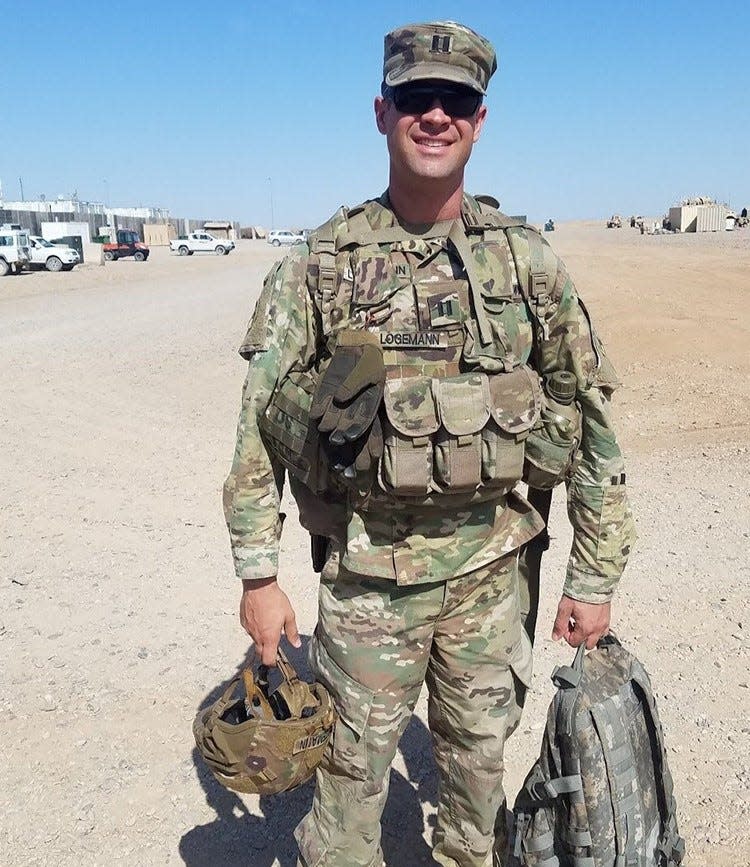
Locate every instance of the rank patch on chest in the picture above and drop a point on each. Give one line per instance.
(444, 309)
(413, 339)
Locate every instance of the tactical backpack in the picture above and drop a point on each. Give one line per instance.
(600, 794)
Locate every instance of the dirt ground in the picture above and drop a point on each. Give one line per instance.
(118, 605)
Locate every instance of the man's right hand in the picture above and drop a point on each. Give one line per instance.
(266, 612)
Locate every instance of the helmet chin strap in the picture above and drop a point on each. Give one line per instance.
(257, 705)
(292, 698)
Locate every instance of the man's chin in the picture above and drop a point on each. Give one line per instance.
(434, 169)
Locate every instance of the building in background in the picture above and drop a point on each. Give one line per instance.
(699, 215)
(221, 229)
(102, 220)
(158, 234)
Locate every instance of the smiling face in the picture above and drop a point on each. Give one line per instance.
(427, 147)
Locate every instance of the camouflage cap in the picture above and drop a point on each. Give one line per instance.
(440, 49)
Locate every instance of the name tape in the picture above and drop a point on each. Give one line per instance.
(413, 339)
(310, 742)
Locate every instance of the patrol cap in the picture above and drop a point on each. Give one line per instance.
(439, 49)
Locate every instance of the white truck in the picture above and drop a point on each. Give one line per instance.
(201, 242)
(14, 249)
(53, 257)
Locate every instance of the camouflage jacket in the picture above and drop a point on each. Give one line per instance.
(413, 544)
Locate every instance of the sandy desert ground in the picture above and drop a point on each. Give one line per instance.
(118, 606)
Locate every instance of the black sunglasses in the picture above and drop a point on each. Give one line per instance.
(418, 98)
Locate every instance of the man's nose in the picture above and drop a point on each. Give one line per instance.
(436, 114)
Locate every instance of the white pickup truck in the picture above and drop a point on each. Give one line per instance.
(53, 257)
(201, 242)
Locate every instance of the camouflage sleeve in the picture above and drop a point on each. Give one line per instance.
(281, 336)
(598, 506)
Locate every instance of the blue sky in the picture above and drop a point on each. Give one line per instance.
(221, 110)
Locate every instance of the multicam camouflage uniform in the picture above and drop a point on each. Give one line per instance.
(424, 589)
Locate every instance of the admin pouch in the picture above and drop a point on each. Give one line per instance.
(600, 794)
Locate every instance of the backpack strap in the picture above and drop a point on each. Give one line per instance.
(569, 761)
(671, 845)
(618, 754)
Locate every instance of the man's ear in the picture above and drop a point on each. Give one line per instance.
(381, 106)
(479, 122)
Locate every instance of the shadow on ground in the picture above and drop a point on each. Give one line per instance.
(241, 837)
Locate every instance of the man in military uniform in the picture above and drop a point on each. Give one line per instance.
(408, 367)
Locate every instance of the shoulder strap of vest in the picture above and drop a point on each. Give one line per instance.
(322, 276)
(525, 242)
(480, 215)
(329, 244)
(536, 272)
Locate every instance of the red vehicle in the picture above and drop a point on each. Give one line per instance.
(128, 244)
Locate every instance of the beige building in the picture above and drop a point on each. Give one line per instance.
(158, 234)
(699, 217)
(220, 229)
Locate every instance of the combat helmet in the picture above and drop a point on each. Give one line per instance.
(267, 741)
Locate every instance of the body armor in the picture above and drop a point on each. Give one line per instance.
(455, 310)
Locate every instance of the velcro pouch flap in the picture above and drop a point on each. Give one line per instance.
(410, 406)
(378, 276)
(464, 403)
(516, 399)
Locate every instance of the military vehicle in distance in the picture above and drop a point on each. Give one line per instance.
(128, 244)
(14, 249)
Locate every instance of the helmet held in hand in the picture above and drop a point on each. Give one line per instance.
(268, 741)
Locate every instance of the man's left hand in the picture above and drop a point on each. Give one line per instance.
(579, 622)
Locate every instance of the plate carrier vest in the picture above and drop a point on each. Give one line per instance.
(461, 400)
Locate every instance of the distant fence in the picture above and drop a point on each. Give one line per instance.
(32, 220)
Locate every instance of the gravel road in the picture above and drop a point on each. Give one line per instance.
(118, 619)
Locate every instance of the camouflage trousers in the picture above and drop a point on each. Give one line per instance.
(375, 645)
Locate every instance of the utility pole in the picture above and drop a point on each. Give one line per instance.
(270, 193)
(20, 184)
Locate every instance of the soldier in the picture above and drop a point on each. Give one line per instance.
(408, 365)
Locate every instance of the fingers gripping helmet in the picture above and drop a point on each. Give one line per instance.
(266, 742)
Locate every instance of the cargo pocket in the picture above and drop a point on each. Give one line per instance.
(410, 420)
(515, 399)
(522, 660)
(464, 408)
(603, 522)
(352, 701)
(521, 665)
(616, 528)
